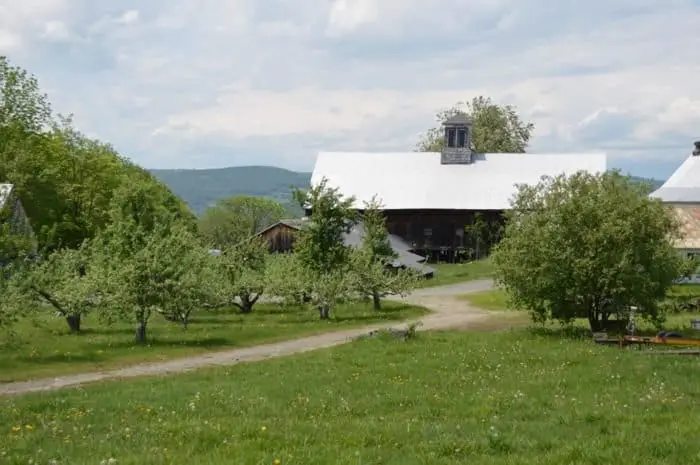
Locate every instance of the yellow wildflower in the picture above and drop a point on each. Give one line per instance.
(16, 428)
(29, 427)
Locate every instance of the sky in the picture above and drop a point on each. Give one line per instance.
(214, 83)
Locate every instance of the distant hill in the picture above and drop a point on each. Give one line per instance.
(202, 188)
(653, 183)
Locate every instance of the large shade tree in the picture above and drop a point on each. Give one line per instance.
(497, 128)
(587, 246)
(64, 179)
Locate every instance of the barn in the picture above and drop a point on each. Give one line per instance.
(681, 192)
(434, 201)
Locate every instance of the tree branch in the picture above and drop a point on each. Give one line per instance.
(49, 298)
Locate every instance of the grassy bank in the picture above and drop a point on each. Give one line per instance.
(453, 273)
(42, 347)
(444, 398)
(496, 300)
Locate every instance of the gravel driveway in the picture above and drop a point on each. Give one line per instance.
(448, 312)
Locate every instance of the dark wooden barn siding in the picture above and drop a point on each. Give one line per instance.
(280, 238)
(433, 231)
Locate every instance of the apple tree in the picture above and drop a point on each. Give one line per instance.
(587, 246)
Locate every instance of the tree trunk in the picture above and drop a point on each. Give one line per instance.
(73, 321)
(185, 321)
(246, 304)
(141, 332)
(377, 302)
(324, 311)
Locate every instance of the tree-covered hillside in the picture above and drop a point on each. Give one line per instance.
(653, 183)
(201, 188)
(66, 181)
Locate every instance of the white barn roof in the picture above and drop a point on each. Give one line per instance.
(684, 184)
(417, 180)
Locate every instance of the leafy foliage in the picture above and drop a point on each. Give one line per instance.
(287, 279)
(68, 283)
(13, 299)
(497, 128)
(483, 232)
(320, 247)
(587, 246)
(64, 179)
(164, 273)
(241, 271)
(22, 104)
(151, 258)
(372, 264)
(235, 219)
(376, 238)
(13, 246)
(377, 277)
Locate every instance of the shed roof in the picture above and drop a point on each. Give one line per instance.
(5, 191)
(417, 180)
(689, 217)
(402, 249)
(684, 184)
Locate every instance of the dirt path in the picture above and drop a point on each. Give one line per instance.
(448, 312)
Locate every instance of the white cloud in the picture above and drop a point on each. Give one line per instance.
(23, 23)
(347, 15)
(185, 83)
(56, 31)
(129, 17)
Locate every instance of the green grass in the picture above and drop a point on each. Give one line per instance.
(685, 291)
(517, 397)
(496, 300)
(452, 273)
(44, 348)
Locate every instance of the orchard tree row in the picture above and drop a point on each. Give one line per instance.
(150, 261)
(115, 242)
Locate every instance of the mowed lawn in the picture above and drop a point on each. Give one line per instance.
(515, 397)
(453, 273)
(497, 300)
(43, 347)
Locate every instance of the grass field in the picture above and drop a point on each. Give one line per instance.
(452, 273)
(44, 348)
(517, 397)
(496, 300)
